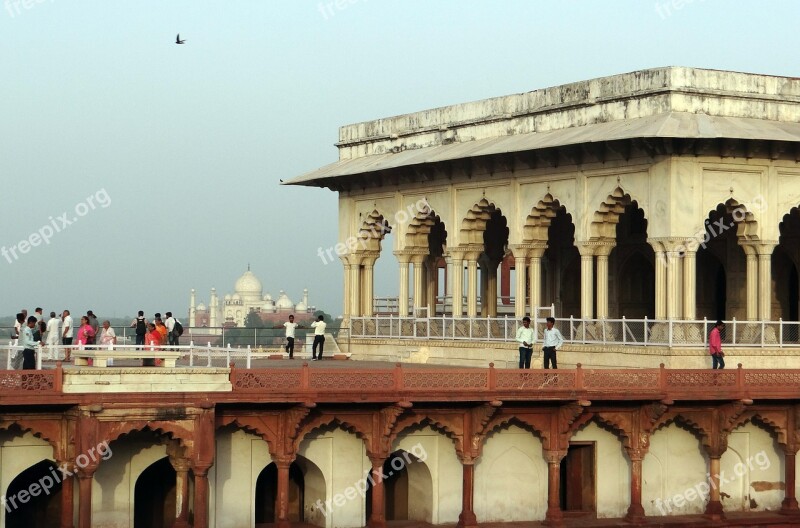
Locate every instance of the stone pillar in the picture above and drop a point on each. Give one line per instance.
(690, 284)
(85, 480)
(674, 301)
(402, 301)
(467, 515)
(458, 284)
(282, 503)
(491, 288)
(377, 518)
(521, 267)
(192, 309)
(355, 286)
(346, 304)
(554, 516)
(602, 253)
(714, 507)
(448, 280)
(635, 510)
(789, 504)
(419, 285)
(765, 281)
(484, 286)
(535, 274)
(181, 466)
(368, 299)
(472, 285)
(200, 496)
(587, 280)
(67, 495)
(752, 281)
(661, 280)
(432, 276)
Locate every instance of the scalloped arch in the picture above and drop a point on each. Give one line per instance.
(10, 425)
(321, 422)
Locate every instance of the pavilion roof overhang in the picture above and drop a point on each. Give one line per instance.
(667, 126)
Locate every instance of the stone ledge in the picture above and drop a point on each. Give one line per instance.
(153, 379)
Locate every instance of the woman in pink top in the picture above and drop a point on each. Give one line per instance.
(715, 345)
(85, 334)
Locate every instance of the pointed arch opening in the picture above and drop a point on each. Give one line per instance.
(561, 266)
(631, 281)
(785, 293)
(408, 489)
(23, 509)
(154, 496)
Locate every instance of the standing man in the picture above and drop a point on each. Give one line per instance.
(525, 339)
(552, 341)
(66, 334)
(172, 339)
(108, 338)
(19, 324)
(290, 326)
(715, 346)
(140, 324)
(319, 337)
(28, 344)
(53, 335)
(39, 315)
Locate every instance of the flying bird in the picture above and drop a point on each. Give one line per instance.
(178, 39)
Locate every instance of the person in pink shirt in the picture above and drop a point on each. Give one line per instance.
(715, 345)
(86, 333)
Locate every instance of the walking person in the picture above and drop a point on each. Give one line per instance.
(319, 337)
(290, 327)
(140, 324)
(551, 343)
(715, 346)
(525, 338)
(172, 335)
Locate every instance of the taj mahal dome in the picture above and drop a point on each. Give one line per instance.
(248, 295)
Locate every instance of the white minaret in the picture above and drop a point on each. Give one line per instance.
(305, 296)
(192, 309)
(212, 307)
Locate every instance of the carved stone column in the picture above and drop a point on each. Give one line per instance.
(282, 504)
(419, 284)
(636, 510)
(467, 515)
(789, 503)
(432, 279)
(346, 304)
(200, 496)
(587, 280)
(181, 466)
(368, 299)
(765, 280)
(674, 264)
(714, 509)
(602, 253)
(535, 275)
(520, 266)
(403, 260)
(660, 279)
(472, 285)
(689, 284)
(554, 515)
(752, 281)
(85, 480)
(67, 494)
(458, 283)
(377, 518)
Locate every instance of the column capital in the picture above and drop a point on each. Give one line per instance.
(765, 248)
(534, 249)
(605, 249)
(554, 456)
(586, 249)
(403, 256)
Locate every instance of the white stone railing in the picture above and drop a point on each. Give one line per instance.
(635, 332)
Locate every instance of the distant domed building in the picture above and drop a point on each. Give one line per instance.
(248, 296)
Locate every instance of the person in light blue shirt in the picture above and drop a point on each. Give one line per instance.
(552, 341)
(525, 339)
(28, 344)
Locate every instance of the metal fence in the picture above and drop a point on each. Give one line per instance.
(637, 332)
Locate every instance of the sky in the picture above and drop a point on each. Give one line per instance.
(134, 169)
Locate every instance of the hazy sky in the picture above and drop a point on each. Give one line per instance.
(166, 159)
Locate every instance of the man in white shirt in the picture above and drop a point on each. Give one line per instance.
(290, 326)
(525, 338)
(108, 338)
(53, 335)
(552, 341)
(66, 333)
(170, 324)
(319, 337)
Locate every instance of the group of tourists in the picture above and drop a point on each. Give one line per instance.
(32, 332)
(319, 327)
(553, 340)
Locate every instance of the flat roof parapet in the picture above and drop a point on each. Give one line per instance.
(627, 96)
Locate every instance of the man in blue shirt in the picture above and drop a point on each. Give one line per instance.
(28, 345)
